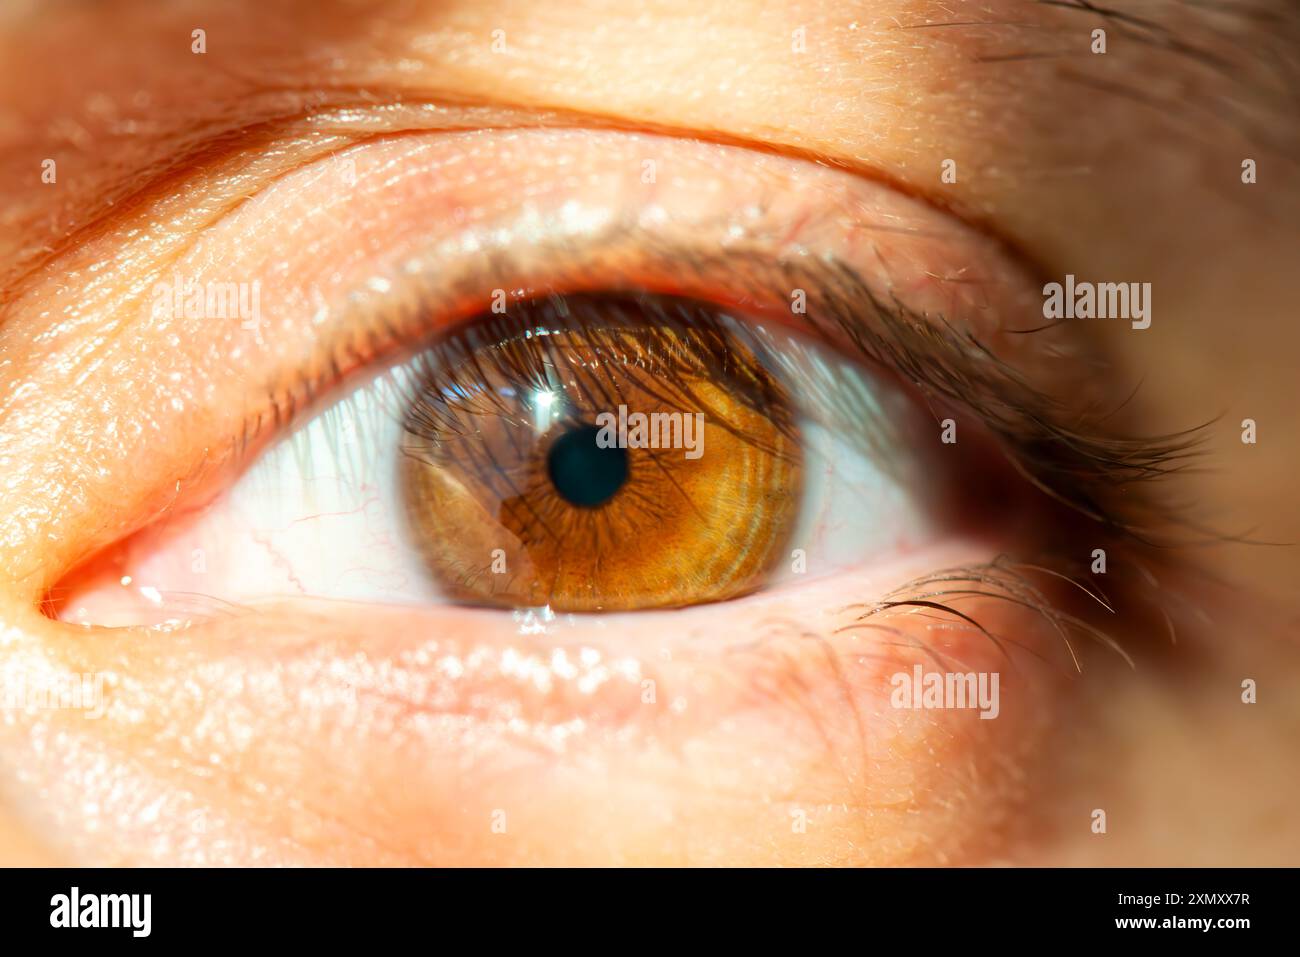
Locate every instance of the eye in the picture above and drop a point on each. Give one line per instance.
(408, 436)
(679, 401)
(579, 453)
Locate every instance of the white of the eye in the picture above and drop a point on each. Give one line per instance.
(322, 512)
(327, 503)
(864, 484)
(328, 497)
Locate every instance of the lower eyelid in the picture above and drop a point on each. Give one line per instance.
(774, 704)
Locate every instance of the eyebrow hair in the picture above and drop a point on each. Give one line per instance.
(1253, 62)
(1234, 63)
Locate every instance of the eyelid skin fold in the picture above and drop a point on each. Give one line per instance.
(437, 718)
(390, 240)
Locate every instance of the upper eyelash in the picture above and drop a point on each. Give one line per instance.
(679, 338)
(1067, 453)
(1078, 465)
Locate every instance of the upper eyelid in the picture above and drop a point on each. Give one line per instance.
(354, 118)
(611, 151)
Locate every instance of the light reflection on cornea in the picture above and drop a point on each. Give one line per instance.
(534, 621)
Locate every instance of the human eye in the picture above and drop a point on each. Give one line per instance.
(374, 437)
(472, 468)
(407, 464)
(573, 454)
(754, 428)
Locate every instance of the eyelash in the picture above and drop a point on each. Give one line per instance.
(1083, 468)
(1079, 465)
(673, 339)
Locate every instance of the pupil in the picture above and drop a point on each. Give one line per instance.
(582, 472)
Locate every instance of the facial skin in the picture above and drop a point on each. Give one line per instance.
(318, 732)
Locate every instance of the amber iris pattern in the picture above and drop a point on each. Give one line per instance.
(600, 454)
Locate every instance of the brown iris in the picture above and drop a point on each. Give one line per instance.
(600, 454)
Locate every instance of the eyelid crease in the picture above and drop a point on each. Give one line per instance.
(358, 119)
(336, 119)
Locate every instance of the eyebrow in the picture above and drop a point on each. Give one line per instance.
(1229, 53)
(1248, 78)
(1231, 64)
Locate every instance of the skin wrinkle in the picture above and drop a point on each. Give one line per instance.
(1057, 207)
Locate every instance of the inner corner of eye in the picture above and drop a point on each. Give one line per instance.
(589, 453)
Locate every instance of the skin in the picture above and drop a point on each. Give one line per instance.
(296, 735)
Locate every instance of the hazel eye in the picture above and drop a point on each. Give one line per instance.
(611, 455)
(580, 453)
(383, 435)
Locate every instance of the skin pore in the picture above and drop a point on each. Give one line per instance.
(230, 741)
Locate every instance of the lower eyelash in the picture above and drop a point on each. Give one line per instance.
(1002, 578)
(1060, 591)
